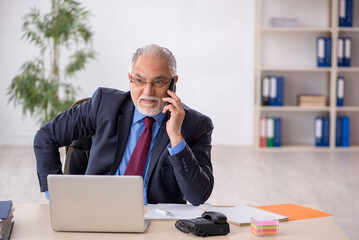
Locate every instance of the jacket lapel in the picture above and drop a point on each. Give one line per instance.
(123, 130)
(162, 142)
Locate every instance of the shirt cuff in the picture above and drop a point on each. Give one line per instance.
(177, 149)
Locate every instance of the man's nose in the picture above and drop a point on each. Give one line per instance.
(149, 89)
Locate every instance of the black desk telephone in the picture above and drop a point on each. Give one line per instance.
(210, 224)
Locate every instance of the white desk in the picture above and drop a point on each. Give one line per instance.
(32, 221)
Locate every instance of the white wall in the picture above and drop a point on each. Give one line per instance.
(213, 42)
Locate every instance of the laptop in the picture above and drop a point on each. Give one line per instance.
(93, 203)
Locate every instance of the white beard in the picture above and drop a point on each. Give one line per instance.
(152, 111)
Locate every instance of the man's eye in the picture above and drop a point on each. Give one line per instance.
(139, 81)
(159, 82)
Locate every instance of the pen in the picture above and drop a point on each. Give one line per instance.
(167, 213)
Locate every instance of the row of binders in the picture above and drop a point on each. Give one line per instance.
(271, 132)
(6, 219)
(345, 13)
(272, 90)
(324, 51)
(342, 134)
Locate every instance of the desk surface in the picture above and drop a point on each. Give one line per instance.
(32, 221)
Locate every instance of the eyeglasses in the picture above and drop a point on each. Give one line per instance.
(157, 83)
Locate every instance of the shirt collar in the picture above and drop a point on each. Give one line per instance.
(137, 116)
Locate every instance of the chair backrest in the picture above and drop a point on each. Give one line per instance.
(77, 154)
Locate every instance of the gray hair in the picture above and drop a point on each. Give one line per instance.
(156, 51)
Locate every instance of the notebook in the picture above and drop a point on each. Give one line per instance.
(92, 203)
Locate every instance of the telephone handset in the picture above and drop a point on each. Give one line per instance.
(173, 85)
(210, 224)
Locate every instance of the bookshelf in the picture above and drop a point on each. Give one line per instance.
(291, 52)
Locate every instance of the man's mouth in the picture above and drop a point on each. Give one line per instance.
(148, 102)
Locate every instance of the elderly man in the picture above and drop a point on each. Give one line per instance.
(147, 131)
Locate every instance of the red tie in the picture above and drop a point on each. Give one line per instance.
(137, 162)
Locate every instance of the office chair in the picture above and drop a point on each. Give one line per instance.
(77, 154)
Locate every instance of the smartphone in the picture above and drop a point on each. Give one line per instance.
(173, 85)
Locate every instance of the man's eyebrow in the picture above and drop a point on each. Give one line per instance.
(159, 77)
(155, 78)
(139, 76)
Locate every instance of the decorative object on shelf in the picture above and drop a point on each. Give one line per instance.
(42, 87)
(283, 22)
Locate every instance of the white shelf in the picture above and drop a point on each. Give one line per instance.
(294, 109)
(302, 148)
(348, 69)
(291, 53)
(348, 109)
(296, 29)
(294, 69)
(348, 29)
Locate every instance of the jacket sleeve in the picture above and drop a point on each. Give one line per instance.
(73, 124)
(192, 166)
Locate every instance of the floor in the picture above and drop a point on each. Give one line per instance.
(242, 176)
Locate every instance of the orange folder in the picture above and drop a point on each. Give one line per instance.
(294, 211)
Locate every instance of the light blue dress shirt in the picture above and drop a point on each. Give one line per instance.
(136, 130)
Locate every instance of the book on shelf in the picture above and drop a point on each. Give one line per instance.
(324, 52)
(272, 91)
(322, 131)
(344, 51)
(6, 219)
(345, 13)
(340, 91)
(271, 131)
(318, 126)
(342, 137)
(347, 51)
(312, 100)
(277, 132)
(265, 91)
(340, 51)
(263, 135)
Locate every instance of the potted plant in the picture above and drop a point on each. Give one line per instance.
(43, 86)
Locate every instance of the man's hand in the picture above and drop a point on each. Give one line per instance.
(174, 124)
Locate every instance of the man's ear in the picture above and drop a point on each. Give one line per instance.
(176, 78)
(129, 77)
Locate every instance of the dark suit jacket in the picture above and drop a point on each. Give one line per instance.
(108, 116)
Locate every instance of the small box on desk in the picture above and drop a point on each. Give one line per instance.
(264, 227)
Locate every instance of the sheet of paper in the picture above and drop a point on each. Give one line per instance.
(242, 214)
(294, 211)
(179, 211)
